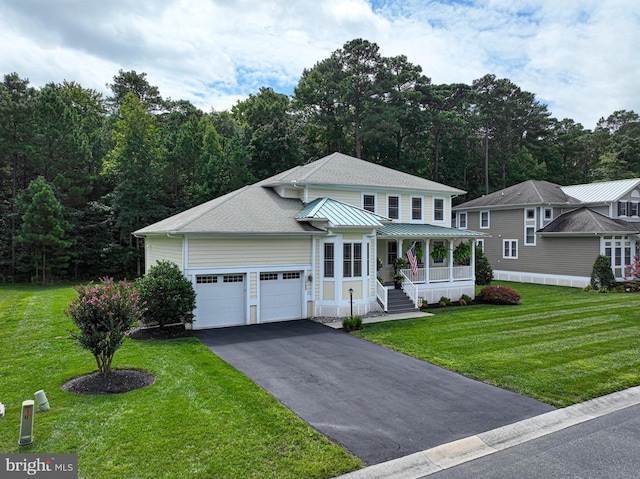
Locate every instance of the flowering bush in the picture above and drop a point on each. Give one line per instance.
(632, 279)
(499, 295)
(104, 313)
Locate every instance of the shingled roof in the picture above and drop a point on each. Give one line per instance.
(531, 192)
(344, 170)
(587, 221)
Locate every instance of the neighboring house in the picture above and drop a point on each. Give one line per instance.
(541, 232)
(308, 242)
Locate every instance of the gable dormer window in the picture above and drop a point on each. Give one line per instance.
(369, 203)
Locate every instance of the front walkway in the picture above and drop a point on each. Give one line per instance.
(377, 403)
(337, 324)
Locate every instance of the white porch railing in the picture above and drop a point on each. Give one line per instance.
(410, 288)
(382, 294)
(439, 274)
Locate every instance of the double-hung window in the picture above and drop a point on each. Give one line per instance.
(352, 260)
(484, 219)
(438, 209)
(369, 203)
(328, 260)
(462, 221)
(510, 249)
(530, 226)
(392, 252)
(393, 207)
(416, 209)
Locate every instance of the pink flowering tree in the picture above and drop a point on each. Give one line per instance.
(632, 278)
(103, 313)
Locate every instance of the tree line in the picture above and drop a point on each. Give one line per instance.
(79, 171)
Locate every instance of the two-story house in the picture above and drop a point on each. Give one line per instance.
(541, 232)
(314, 241)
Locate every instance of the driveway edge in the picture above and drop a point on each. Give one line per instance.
(430, 461)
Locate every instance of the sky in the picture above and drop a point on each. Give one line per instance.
(579, 57)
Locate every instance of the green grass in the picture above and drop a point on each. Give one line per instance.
(561, 346)
(201, 418)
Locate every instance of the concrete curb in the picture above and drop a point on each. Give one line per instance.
(442, 457)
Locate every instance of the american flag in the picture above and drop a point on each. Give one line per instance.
(413, 261)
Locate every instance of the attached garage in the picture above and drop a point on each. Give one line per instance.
(221, 300)
(281, 296)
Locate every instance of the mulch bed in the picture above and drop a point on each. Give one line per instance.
(173, 331)
(119, 381)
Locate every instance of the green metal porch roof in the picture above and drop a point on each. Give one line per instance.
(425, 231)
(340, 214)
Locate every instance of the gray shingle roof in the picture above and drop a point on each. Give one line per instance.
(251, 209)
(586, 220)
(532, 192)
(344, 170)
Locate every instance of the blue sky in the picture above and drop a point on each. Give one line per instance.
(578, 56)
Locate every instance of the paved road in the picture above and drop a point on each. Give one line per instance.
(377, 403)
(604, 448)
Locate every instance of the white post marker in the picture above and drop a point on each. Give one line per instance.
(26, 423)
(1, 410)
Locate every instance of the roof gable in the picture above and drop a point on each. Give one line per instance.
(338, 169)
(587, 221)
(531, 192)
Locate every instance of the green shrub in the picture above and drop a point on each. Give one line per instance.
(602, 275)
(352, 324)
(104, 313)
(484, 271)
(169, 295)
(465, 299)
(499, 295)
(444, 301)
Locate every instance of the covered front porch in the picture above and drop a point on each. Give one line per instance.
(444, 262)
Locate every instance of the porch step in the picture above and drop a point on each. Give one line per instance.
(399, 302)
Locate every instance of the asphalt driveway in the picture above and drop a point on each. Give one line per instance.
(378, 404)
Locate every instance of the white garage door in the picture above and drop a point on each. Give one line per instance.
(220, 300)
(281, 296)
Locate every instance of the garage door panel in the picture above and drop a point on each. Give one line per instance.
(281, 296)
(220, 301)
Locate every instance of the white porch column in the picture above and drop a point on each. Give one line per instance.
(426, 259)
(451, 260)
(473, 260)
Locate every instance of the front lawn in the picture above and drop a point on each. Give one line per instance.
(561, 346)
(201, 418)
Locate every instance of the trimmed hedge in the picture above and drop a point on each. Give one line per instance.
(498, 295)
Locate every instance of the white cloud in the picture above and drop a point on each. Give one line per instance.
(579, 57)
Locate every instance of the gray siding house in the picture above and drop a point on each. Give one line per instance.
(541, 232)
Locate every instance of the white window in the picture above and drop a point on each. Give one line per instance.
(369, 203)
(510, 249)
(416, 208)
(352, 260)
(393, 207)
(633, 208)
(530, 226)
(462, 221)
(484, 220)
(328, 260)
(438, 209)
(480, 244)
